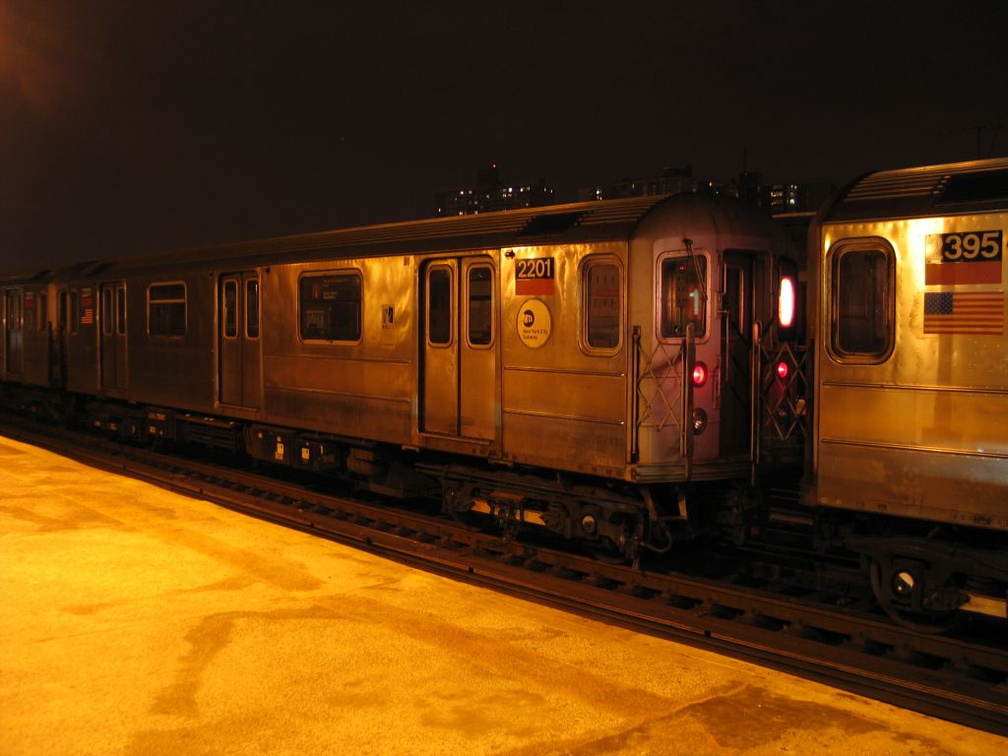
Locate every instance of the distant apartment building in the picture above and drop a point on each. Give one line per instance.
(803, 197)
(671, 181)
(491, 193)
(749, 187)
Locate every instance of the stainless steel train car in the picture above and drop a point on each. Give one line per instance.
(907, 314)
(587, 368)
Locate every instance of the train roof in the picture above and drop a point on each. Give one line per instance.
(568, 223)
(44, 276)
(572, 223)
(949, 189)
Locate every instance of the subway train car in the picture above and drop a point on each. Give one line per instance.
(910, 433)
(627, 374)
(602, 369)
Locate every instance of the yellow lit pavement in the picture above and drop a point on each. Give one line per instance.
(136, 621)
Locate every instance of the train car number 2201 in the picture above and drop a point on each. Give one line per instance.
(535, 275)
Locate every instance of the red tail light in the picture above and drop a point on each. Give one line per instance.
(786, 302)
(699, 374)
(783, 370)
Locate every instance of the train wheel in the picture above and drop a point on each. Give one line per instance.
(456, 503)
(899, 586)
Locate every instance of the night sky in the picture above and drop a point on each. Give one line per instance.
(135, 126)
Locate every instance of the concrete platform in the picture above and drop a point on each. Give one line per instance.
(135, 621)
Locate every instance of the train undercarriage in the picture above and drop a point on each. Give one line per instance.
(925, 580)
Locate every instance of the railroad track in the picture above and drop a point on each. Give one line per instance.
(960, 679)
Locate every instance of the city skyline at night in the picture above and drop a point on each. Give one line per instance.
(142, 128)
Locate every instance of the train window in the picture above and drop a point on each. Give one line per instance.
(63, 311)
(330, 306)
(439, 306)
(29, 311)
(107, 315)
(683, 299)
(13, 310)
(480, 305)
(42, 308)
(862, 281)
(166, 309)
(603, 305)
(121, 310)
(252, 308)
(86, 313)
(74, 319)
(230, 309)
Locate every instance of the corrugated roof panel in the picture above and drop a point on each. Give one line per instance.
(619, 211)
(594, 219)
(507, 222)
(892, 184)
(915, 192)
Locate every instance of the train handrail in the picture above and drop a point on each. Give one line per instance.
(755, 401)
(686, 426)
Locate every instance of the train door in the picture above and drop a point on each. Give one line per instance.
(13, 337)
(736, 355)
(12, 353)
(64, 321)
(458, 346)
(112, 336)
(240, 359)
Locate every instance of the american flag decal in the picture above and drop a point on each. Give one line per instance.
(980, 312)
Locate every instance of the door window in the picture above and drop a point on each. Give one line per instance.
(230, 308)
(480, 305)
(108, 314)
(252, 308)
(683, 298)
(439, 307)
(121, 310)
(862, 281)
